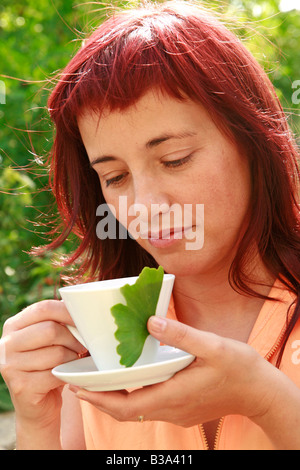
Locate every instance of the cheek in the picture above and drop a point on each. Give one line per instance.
(127, 215)
(225, 191)
(117, 205)
(231, 199)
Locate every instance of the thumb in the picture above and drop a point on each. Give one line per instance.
(179, 335)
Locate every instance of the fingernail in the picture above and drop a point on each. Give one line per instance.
(157, 324)
(78, 392)
(83, 353)
(82, 396)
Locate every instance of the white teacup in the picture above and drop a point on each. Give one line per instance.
(90, 308)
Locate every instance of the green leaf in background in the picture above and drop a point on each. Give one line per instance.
(131, 319)
(5, 400)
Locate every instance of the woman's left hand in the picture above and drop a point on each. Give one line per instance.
(226, 377)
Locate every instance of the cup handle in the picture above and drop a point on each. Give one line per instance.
(76, 334)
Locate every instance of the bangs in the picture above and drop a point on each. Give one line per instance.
(114, 70)
(125, 70)
(129, 54)
(180, 50)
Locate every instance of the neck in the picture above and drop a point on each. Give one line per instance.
(209, 303)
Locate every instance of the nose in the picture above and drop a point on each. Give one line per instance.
(148, 191)
(150, 199)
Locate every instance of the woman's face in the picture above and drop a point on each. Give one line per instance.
(163, 165)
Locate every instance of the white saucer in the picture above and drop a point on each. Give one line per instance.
(84, 373)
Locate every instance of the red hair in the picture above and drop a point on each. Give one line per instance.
(181, 50)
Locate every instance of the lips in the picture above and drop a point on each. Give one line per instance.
(165, 234)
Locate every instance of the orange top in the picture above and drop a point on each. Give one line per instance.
(235, 432)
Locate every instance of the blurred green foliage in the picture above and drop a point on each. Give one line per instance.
(36, 40)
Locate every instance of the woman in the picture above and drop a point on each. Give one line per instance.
(163, 106)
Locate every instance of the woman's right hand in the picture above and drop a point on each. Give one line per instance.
(33, 342)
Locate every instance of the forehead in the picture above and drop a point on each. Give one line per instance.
(153, 114)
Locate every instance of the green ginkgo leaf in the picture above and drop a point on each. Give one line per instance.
(131, 319)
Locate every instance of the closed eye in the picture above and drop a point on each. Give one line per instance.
(115, 180)
(178, 162)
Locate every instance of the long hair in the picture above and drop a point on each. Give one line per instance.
(181, 50)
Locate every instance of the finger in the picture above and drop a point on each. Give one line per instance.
(40, 335)
(54, 310)
(108, 402)
(38, 382)
(118, 404)
(199, 343)
(43, 359)
(126, 406)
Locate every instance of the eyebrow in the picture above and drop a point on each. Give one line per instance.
(163, 138)
(152, 143)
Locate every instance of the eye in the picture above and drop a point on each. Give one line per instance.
(178, 162)
(115, 181)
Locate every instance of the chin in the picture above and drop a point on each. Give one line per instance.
(179, 266)
(180, 262)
